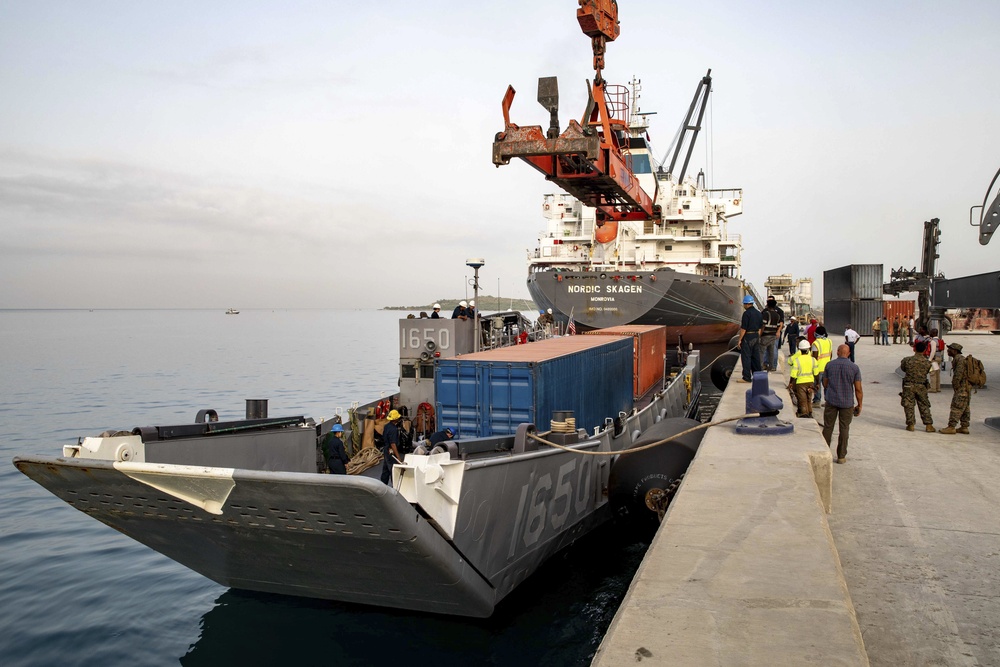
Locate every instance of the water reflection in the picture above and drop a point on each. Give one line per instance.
(557, 617)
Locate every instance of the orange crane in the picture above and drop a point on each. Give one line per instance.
(586, 160)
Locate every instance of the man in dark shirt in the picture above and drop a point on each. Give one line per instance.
(390, 445)
(337, 460)
(774, 319)
(842, 382)
(440, 436)
(749, 343)
(792, 336)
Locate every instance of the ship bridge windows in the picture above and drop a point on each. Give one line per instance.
(408, 371)
(639, 164)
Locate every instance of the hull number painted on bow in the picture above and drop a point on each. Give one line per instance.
(549, 500)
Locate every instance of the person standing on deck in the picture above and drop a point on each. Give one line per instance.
(437, 312)
(915, 369)
(749, 343)
(461, 311)
(960, 414)
(877, 330)
(337, 460)
(842, 382)
(546, 321)
(390, 445)
(884, 327)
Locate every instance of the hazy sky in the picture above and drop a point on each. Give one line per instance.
(335, 154)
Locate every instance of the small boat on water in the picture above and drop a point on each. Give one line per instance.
(247, 503)
(232, 311)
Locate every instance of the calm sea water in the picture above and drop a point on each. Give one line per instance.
(75, 592)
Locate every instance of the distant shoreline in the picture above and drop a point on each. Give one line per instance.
(485, 304)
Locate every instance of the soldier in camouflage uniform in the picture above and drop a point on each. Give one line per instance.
(914, 391)
(960, 413)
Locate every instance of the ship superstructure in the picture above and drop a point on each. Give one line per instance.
(633, 239)
(690, 236)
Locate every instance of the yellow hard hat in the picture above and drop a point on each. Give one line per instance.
(393, 415)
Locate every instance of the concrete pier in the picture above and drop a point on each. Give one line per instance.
(749, 567)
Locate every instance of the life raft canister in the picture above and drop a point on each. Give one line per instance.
(607, 232)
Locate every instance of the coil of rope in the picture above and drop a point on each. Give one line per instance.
(363, 460)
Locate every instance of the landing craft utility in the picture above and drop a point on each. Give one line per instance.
(463, 523)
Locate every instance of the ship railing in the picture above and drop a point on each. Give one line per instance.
(564, 251)
(724, 193)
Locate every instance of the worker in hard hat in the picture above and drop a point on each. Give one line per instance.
(336, 458)
(436, 314)
(546, 321)
(440, 436)
(822, 351)
(803, 373)
(461, 311)
(390, 445)
(749, 343)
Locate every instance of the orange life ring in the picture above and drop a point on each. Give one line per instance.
(546, 207)
(382, 408)
(736, 202)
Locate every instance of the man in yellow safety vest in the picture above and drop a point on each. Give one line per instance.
(803, 372)
(822, 351)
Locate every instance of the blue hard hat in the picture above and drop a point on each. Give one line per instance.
(747, 299)
(337, 428)
(449, 431)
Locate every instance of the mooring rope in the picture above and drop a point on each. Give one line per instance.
(644, 447)
(363, 460)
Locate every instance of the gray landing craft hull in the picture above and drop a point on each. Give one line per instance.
(701, 309)
(354, 539)
(322, 536)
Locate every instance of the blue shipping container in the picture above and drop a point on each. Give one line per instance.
(492, 393)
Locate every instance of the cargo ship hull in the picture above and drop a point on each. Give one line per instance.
(695, 309)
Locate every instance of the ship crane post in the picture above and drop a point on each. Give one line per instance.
(586, 160)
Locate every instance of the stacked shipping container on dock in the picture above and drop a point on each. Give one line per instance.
(852, 296)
